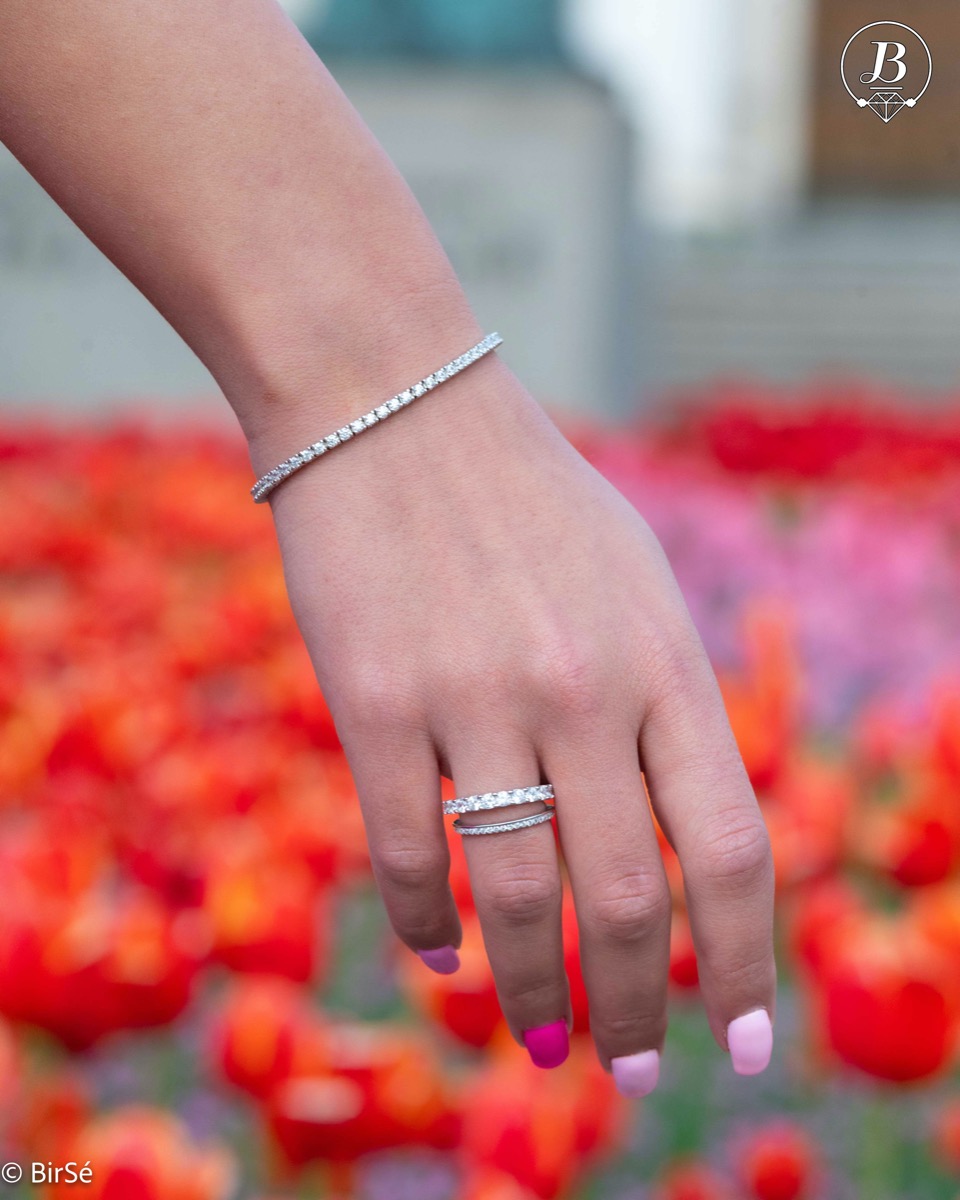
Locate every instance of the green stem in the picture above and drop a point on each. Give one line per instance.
(881, 1149)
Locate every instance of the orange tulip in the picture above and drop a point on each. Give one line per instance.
(50, 1116)
(265, 1032)
(141, 1153)
(265, 915)
(946, 1135)
(486, 1183)
(762, 702)
(808, 812)
(935, 914)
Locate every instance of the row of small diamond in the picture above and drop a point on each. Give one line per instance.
(538, 819)
(266, 483)
(527, 795)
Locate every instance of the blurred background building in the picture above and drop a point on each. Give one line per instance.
(639, 195)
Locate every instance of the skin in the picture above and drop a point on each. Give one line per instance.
(477, 600)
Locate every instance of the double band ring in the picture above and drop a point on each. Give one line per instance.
(487, 800)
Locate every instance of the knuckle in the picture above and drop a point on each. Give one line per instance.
(751, 971)
(567, 674)
(676, 665)
(523, 901)
(631, 1031)
(639, 904)
(407, 870)
(739, 853)
(533, 995)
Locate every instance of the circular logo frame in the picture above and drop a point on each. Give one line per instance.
(909, 101)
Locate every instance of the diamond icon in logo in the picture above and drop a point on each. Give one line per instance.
(886, 104)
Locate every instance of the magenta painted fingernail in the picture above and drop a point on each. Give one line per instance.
(750, 1039)
(444, 961)
(636, 1075)
(548, 1045)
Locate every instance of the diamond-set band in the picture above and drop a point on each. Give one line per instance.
(488, 800)
(505, 826)
(526, 795)
(274, 477)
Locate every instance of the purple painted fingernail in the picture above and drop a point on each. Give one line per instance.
(548, 1045)
(444, 961)
(636, 1075)
(750, 1039)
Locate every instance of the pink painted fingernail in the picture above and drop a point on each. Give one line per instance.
(750, 1039)
(548, 1045)
(444, 961)
(636, 1075)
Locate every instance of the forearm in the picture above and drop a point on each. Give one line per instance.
(206, 150)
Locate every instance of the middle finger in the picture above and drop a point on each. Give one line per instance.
(621, 897)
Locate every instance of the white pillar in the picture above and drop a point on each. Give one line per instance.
(718, 93)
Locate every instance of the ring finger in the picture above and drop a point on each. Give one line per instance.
(517, 889)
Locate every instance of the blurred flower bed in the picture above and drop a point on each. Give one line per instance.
(199, 994)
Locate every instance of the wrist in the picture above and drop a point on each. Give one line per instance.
(302, 393)
(307, 367)
(439, 440)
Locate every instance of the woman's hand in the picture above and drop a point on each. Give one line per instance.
(472, 593)
(478, 601)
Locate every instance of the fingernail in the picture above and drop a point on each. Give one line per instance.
(750, 1039)
(444, 961)
(636, 1075)
(548, 1045)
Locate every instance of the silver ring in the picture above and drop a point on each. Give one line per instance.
(527, 795)
(503, 827)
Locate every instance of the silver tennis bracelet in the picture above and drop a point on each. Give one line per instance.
(274, 477)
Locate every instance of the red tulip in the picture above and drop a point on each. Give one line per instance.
(914, 837)
(777, 1162)
(465, 1003)
(889, 1002)
(817, 916)
(542, 1128)
(102, 963)
(382, 1087)
(684, 972)
(579, 1004)
(945, 730)
(689, 1179)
